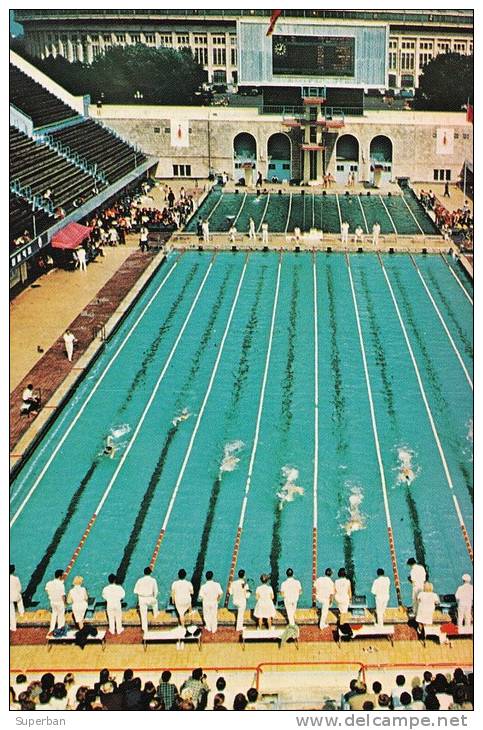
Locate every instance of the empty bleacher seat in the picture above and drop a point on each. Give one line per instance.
(36, 101)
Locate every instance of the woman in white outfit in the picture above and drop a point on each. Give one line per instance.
(343, 591)
(78, 598)
(427, 600)
(264, 607)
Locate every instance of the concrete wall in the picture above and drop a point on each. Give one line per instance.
(417, 138)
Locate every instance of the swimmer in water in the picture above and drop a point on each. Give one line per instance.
(407, 474)
(183, 416)
(110, 447)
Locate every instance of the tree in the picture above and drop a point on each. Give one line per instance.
(446, 83)
(123, 75)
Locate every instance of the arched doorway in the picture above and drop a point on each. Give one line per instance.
(244, 157)
(380, 154)
(278, 155)
(346, 159)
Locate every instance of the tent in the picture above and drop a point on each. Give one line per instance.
(71, 236)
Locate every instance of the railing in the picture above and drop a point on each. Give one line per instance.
(301, 113)
(81, 162)
(414, 16)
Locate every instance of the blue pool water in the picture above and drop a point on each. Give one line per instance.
(201, 338)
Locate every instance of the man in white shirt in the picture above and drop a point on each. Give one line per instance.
(417, 578)
(82, 258)
(376, 229)
(464, 599)
(252, 235)
(205, 228)
(324, 594)
(265, 234)
(210, 593)
(344, 230)
(15, 598)
(290, 591)
(380, 590)
(113, 594)
(30, 402)
(181, 592)
(359, 235)
(55, 590)
(239, 592)
(69, 340)
(146, 589)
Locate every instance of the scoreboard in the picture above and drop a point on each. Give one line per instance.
(313, 56)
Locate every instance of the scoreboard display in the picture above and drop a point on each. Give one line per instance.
(313, 56)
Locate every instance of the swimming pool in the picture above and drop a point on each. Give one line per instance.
(266, 411)
(396, 214)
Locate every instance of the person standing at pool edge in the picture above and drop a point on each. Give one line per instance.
(239, 592)
(417, 577)
(210, 593)
(205, 227)
(181, 592)
(324, 594)
(265, 234)
(344, 230)
(55, 590)
(146, 589)
(69, 340)
(380, 590)
(376, 229)
(251, 230)
(290, 591)
(113, 594)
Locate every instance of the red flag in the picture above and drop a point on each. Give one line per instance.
(469, 113)
(273, 19)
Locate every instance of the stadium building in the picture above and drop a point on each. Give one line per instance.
(216, 39)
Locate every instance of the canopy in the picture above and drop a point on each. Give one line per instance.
(71, 236)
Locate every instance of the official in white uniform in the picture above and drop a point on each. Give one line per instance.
(239, 592)
(78, 598)
(380, 590)
(55, 590)
(146, 589)
(69, 340)
(181, 592)
(324, 594)
(15, 598)
(252, 234)
(343, 591)
(232, 234)
(344, 233)
(265, 233)
(81, 255)
(464, 599)
(417, 578)
(113, 594)
(210, 594)
(290, 591)
(376, 229)
(359, 235)
(205, 228)
(427, 600)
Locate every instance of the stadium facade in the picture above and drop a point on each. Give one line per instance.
(216, 36)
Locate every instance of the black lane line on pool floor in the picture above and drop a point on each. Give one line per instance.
(388, 394)
(451, 314)
(286, 416)
(42, 566)
(455, 444)
(239, 381)
(339, 418)
(153, 348)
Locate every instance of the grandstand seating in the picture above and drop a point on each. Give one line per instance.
(35, 101)
(36, 166)
(101, 147)
(21, 218)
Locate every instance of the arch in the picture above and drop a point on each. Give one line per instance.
(279, 156)
(381, 149)
(347, 148)
(244, 156)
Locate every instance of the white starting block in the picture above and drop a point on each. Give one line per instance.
(180, 635)
(373, 631)
(264, 635)
(69, 638)
(435, 632)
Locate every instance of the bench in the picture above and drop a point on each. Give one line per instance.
(265, 635)
(373, 631)
(69, 638)
(179, 634)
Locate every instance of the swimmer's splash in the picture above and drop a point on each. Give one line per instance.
(357, 520)
(289, 489)
(406, 470)
(183, 416)
(230, 460)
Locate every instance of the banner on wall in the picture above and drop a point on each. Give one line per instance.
(180, 133)
(444, 141)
